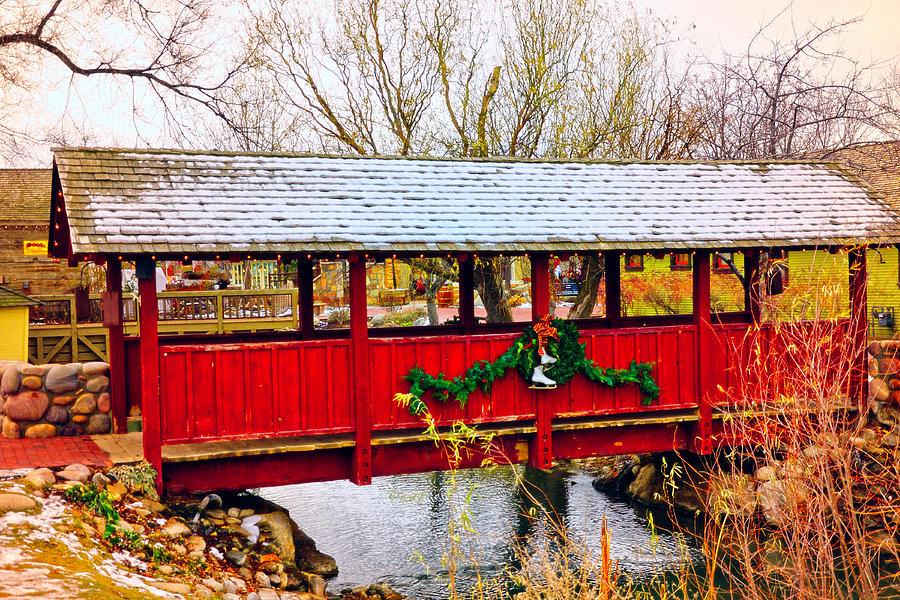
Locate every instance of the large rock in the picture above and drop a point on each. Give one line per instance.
(308, 558)
(97, 384)
(278, 525)
(879, 390)
(98, 424)
(888, 416)
(95, 368)
(40, 431)
(9, 384)
(57, 415)
(61, 379)
(85, 404)
(780, 500)
(75, 472)
(27, 406)
(647, 487)
(16, 502)
(41, 478)
(732, 496)
(175, 527)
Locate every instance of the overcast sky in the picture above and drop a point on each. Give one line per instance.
(717, 25)
(706, 28)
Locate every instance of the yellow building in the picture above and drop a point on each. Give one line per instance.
(14, 324)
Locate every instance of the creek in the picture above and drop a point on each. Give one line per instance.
(395, 530)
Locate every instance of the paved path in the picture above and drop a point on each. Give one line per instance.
(94, 451)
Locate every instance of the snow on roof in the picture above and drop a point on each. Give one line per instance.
(170, 201)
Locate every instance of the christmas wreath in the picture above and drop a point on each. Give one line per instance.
(557, 338)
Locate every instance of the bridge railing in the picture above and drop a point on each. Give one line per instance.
(55, 335)
(240, 390)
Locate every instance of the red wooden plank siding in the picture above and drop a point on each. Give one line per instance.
(304, 387)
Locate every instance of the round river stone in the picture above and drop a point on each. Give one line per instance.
(104, 402)
(42, 430)
(80, 418)
(11, 429)
(85, 404)
(10, 382)
(97, 424)
(97, 384)
(61, 379)
(95, 368)
(32, 382)
(63, 400)
(36, 370)
(57, 415)
(27, 406)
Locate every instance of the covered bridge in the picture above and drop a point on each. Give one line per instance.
(329, 412)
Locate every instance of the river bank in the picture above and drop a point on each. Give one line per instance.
(82, 533)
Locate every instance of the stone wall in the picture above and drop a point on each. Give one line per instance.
(40, 401)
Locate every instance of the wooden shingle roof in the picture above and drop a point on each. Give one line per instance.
(170, 202)
(25, 195)
(878, 164)
(10, 298)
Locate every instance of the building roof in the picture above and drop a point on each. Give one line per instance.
(10, 298)
(25, 195)
(877, 163)
(170, 202)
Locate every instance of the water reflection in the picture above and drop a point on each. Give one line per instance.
(375, 531)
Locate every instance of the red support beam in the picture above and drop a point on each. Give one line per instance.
(705, 348)
(361, 470)
(859, 323)
(146, 272)
(467, 294)
(540, 286)
(751, 285)
(613, 288)
(541, 452)
(305, 301)
(115, 349)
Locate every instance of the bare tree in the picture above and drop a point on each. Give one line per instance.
(157, 43)
(791, 97)
(531, 78)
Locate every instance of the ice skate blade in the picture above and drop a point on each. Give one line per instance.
(541, 386)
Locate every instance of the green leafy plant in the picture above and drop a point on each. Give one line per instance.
(523, 356)
(91, 497)
(140, 477)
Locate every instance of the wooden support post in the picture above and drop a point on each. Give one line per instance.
(540, 454)
(361, 470)
(146, 272)
(704, 348)
(859, 323)
(115, 349)
(540, 286)
(467, 293)
(751, 286)
(613, 288)
(306, 300)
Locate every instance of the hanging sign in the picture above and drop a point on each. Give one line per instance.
(36, 247)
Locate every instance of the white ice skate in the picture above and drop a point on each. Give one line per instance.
(539, 381)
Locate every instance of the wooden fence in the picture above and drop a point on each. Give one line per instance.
(55, 336)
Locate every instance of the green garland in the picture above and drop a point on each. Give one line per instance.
(523, 356)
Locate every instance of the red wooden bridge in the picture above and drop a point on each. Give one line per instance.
(309, 405)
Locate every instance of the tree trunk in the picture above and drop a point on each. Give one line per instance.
(432, 287)
(489, 283)
(584, 302)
